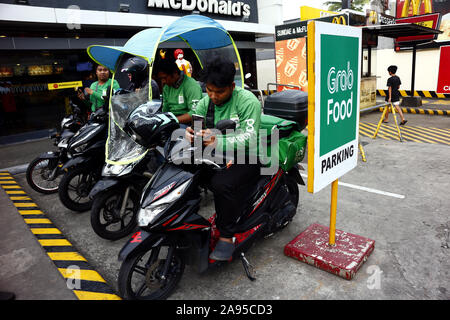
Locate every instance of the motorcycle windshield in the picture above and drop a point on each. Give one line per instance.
(121, 148)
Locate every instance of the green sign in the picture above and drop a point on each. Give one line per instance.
(339, 91)
(334, 102)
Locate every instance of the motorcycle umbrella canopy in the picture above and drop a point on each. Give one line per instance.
(205, 36)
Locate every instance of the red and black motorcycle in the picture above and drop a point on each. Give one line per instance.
(173, 234)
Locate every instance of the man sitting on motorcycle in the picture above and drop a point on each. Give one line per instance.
(180, 92)
(231, 185)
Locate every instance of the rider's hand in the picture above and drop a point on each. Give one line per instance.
(189, 134)
(81, 95)
(208, 137)
(89, 91)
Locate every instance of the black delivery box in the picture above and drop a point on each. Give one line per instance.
(288, 104)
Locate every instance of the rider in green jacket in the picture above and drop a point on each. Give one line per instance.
(180, 92)
(230, 186)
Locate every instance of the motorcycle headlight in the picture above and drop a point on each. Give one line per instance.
(63, 143)
(116, 169)
(149, 214)
(80, 149)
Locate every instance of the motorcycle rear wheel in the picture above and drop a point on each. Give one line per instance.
(38, 176)
(75, 187)
(140, 274)
(104, 214)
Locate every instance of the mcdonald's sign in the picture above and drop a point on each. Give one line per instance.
(431, 20)
(408, 8)
(339, 20)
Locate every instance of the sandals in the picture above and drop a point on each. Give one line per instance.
(403, 122)
(223, 251)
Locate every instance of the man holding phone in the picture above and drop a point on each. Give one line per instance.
(230, 186)
(180, 92)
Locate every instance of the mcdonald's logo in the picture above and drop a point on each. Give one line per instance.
(339, 20)
(415, 7)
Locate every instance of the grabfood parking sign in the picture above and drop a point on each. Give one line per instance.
(334, 57)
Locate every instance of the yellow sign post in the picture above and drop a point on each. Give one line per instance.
(334, 64)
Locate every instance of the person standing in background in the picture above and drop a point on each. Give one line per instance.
(98, 89)
(393, 95)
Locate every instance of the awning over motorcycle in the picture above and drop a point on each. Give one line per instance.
(199, 32)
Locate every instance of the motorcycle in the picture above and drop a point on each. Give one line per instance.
(173, 234)
(86, 153)
(44, 172)
(115, 197)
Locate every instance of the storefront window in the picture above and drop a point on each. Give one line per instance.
(26, 104)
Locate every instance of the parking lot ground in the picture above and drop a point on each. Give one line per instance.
(398, 197)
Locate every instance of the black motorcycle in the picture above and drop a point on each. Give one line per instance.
(173, 234)
(86, 152)
(117, 194)
(44, 172)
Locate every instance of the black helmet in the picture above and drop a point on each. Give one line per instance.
(150, 129)
(137, 67)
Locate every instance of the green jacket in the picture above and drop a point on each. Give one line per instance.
(180, 100)
(95, 99)
(244, 108)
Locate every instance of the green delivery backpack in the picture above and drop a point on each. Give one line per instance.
(291, 144)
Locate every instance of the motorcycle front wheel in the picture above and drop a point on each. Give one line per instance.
(75, 187)
(142, 275)
(106, 218)
(42, 175)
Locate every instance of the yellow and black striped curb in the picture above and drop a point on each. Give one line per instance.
(423, 111)
(417, 93)
(409, 133)
(81, 278)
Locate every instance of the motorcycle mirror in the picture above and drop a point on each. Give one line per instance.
(223, 125)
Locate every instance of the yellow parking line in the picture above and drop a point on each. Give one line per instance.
(25, 212)
(87, 295)
(88, 275)
(8, 182)
(54, 242)
(25, 204)
(20, 198)
(36, 221)
(11, 187)
(15, 192)
(46, 231)
(427, 135)
(66, 256)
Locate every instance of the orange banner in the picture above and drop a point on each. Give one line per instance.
(290, 56)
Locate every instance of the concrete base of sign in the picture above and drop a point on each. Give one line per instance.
(343, 259)
(411, 102)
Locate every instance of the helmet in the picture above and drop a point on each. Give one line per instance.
(137, 67)
(149, 129)
(177, 52)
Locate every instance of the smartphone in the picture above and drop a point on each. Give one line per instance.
(198, 122)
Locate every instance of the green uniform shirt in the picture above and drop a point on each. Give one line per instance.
(180, 100)
(96, 98)
(245, 109)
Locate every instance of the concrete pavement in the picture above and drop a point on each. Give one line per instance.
(410, 260)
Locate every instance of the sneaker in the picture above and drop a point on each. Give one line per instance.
(223, 251)
(403, 122)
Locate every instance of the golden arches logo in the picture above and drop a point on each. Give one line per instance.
(339, 20)
(415, 7)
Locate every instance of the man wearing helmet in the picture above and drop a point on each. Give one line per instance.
(137, 70)
(182, 63)
(230, 186)
(180, 93)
